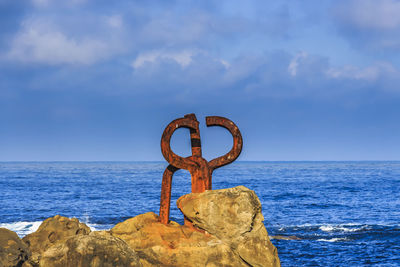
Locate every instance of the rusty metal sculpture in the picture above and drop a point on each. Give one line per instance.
(200, 169)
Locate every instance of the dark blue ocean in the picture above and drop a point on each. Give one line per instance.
(346, 213)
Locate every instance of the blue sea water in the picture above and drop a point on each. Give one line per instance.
(345, 213)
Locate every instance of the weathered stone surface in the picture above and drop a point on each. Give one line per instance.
(234, 216)
(229, 231)
(173, 244)
(52, 231)
(13, 251)
(93, 250)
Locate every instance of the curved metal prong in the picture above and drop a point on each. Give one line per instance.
(169, 155)
(237, 141)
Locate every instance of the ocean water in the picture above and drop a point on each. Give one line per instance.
(345, 213)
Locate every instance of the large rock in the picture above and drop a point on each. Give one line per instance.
(227, 230)
(234, 216)
(13, 251)
(93, 250)
(51, 231)
(173, 244)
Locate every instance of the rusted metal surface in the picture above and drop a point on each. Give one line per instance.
(200, 169)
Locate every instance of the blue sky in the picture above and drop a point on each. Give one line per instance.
(100, 80)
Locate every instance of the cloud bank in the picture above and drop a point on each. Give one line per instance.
(305, 80)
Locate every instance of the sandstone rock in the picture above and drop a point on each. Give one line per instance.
(13, 251)
(234, 216)
(93, 250)
(173, 244)
(227, 230)
(52, 231)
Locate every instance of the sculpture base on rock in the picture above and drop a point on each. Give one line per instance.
(226, 230)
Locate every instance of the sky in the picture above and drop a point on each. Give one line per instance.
(100, 80)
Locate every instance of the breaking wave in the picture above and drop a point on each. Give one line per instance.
(343, 228)
(22, 228)
(25, 228)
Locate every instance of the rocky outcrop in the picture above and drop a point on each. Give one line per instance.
(226, 229)
(13, 251)
(173, 244)
(51, 231)
(234, 216)
(95, 249)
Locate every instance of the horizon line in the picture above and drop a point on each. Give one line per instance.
(160, 161)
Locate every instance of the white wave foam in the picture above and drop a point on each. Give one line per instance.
(342, 228)
(98, 227)
(22, 228)
(338, 239)
(94, 226)
(350, 226)
(347, 227)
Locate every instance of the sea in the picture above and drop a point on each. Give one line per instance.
(341, 213)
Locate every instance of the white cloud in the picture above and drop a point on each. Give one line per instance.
(38, 43)
(294, 63)
(370, 73)
(183, 58)
(225, 63)
(45, 3)
(372, 14)
(41, 2)
(115, 21)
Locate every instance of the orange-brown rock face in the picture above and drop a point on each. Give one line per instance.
(96, 249)
(173, 244)
(229, 231)
(234, 216)
(52, 231)
(13, 251)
